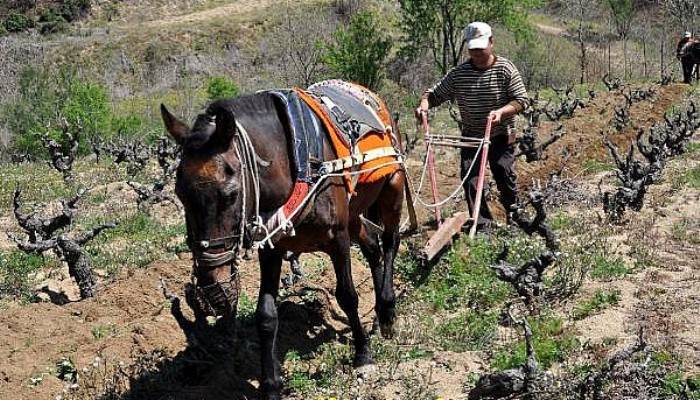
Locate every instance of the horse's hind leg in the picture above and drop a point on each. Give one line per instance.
(347, 296)
(266, 318)
(390, 202)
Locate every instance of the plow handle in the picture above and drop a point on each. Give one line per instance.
(480, 182)
(431, 166)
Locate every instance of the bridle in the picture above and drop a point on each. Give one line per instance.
(205, 250)
(204, 256)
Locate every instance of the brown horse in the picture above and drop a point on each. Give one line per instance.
(211, 181)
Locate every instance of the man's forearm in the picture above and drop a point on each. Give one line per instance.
(510, 109)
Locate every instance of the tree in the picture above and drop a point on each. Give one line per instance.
(682, 12)
(622, 13)
(298, 45)
(435, 26)
(359, 51)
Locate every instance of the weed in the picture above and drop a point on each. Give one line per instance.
(465, 278)
(686, 230)
(137, 241)
(692, 178)
(246, 306)
(551, 340)
(600, 301)
(417, 387)
(608, 268)
(66, 371)
(103, 331)
(594, 166)
(469, 330)
(15, 273)
(561, 221)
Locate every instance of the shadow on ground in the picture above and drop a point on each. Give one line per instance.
(225, 366)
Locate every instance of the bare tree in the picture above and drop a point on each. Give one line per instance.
(682, 12)
(299, 43)
(622, 13)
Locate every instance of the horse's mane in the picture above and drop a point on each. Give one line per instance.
(257, 104)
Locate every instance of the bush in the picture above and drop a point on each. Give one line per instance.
(220, 87)
(71, 10)
(88, 104)
(359, 51)
(3, 31)
(45, 99)
(18, 23)
(52, 22)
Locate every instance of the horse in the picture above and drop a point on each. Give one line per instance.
(690, 58)
(213, 182)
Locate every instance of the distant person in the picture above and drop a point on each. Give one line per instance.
(687, 64)
(485, 87)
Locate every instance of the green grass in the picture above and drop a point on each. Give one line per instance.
(601, 300)
(692, 178)
(594, 166)
(102, 331)
(246, 306)
(686, 230)
(561, 221)
(551, 340)
(464, 278)
(38, 181)
(15, 270)
(327, 371)
(607, 267)
(469, 330)
(137, 241)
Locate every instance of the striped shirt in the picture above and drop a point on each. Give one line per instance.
(478, 92)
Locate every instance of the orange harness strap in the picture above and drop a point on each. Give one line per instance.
(338, 146)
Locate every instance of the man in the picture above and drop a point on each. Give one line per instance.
(681, 51)
(485, 87)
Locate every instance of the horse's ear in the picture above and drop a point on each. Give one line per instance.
(225, 122)
(177, 129)
(225, 127)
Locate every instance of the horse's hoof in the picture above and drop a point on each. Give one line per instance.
(387, 330)
(361, 361)
(366, 371)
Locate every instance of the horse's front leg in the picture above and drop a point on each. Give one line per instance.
(266, 318)
(347, 296)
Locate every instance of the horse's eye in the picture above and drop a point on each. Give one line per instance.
(228, 170)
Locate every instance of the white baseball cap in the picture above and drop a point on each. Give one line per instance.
(687, 34)
(477, 35)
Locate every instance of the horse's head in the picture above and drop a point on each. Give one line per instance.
(208, 184)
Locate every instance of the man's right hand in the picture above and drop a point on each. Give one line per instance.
(419, 113)
(422, 108)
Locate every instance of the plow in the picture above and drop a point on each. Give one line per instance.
(450, 227)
